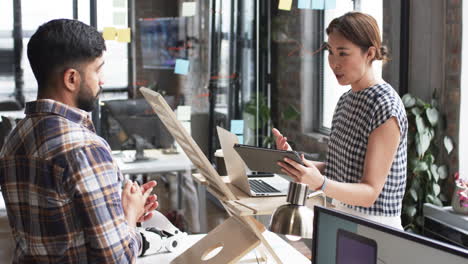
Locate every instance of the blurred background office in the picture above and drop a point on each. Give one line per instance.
(249, 66)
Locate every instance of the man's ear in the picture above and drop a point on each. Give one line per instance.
(72, 79)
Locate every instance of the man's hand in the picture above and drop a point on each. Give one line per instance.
(151, 202)
(133, 202)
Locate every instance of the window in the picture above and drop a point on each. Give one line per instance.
(7, 79)
(34, 15)
(113, 13)
(463, 141)
(329, 89)
(110, 13)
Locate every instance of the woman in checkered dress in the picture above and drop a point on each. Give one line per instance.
(365, 169)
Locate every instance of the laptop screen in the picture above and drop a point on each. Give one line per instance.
(343, 238)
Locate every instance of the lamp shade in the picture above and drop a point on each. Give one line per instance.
(294, 218)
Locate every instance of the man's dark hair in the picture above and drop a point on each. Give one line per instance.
(60, 44)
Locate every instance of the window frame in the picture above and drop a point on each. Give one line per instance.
(93, 22)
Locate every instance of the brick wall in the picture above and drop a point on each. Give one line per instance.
(449, 95)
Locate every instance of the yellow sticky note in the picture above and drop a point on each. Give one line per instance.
(123, 35)
(109, 33)
(285, 5)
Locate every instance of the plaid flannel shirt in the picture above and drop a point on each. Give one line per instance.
(62, 190)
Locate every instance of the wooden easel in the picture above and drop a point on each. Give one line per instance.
(239, 234)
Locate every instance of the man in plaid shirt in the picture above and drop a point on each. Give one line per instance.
(62, 189)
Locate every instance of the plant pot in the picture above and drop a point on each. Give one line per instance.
(459, 206)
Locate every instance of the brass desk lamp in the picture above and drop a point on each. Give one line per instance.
(295, 220)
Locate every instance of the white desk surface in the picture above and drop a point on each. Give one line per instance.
(159, 162)
(15, 114)
(286, 252)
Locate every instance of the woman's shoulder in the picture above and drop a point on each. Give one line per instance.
(384, 94)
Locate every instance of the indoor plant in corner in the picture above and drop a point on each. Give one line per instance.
(425, 174)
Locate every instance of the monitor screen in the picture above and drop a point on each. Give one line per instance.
(352, 248)
(124, 120)
(163, 40)
(343, 238)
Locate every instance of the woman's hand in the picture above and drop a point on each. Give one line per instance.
(281, 141)
(308, 174)
(133, 202)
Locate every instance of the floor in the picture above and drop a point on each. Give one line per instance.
(215, 214)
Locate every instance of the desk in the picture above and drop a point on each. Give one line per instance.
(248, 205)
(285, 252)
(164, 163)
(158, 162)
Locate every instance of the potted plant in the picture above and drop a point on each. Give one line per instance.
(425, 173)
(264, 117)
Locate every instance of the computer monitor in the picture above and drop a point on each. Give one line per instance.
(132, 124)
(163, 40)
(343, 238)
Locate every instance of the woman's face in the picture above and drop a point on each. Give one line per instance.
(350, 65)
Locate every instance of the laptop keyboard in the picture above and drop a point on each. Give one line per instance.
(260, 186)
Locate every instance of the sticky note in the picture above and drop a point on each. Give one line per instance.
(240, 139)
(285, 5)
(187, 126)
(184, 112)
(120, 18)
(304, 4)
(318, 4)
(123, 35)
(181, 66)
(330, 4)
(237, 127)
(189, 9)
(109, 33)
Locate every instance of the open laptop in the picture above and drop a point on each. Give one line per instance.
(236, 169)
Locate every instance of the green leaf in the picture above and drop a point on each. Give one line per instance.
(448, 144)
(431, 133)
(443, 198)
(430, 198)
(437, 202)
(429, 158)
(436, 189)
(421, 103)
(433, 116)
(415, 184)
(435, 173)
(413, 162)
(422, 166)
(423, 141)
(429, 174)
(291, 113)
(416, 111)
(411, 211)
(414, 195)
(408, 100)
(420, 124)
(443, 172)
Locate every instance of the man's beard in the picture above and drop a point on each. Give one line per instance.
(86, 101)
